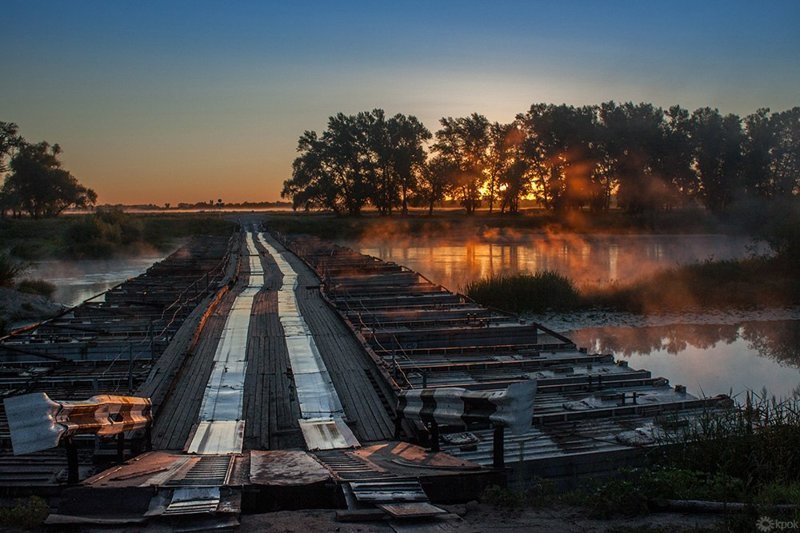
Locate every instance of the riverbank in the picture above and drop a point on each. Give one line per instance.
(755, 283)
(478, 517)
(502, 227)
(18, 307)
(104, 234)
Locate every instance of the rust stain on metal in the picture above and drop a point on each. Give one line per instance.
(285, 467)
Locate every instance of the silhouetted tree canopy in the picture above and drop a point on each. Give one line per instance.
(38, 186)
(640, 156)
(358, 159)
(9, 140)
(464, 143)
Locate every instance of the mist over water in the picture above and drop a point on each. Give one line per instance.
(710, 353)
(76, 281)
(589, 260)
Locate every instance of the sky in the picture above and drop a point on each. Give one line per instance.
(187, 101)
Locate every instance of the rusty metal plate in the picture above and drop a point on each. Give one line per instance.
(286, 467)
(388, 491)
(411, 510)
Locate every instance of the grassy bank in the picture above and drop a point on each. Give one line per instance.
(749, 283)
(746, 455)
(102, 235)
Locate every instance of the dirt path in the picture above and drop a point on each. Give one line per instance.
(477, 518)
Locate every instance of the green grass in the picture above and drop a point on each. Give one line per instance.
(25, 514)
(749, 453)
(758, 443)
(749, 283)
(537, 292)
(104, 234)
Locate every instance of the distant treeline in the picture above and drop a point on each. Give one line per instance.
(211, 204)
(637, 157)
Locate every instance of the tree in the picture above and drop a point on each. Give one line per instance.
(496, 160)
(509, 165)
(758, 143)
(374, 129)
(785, 156)
(9, 140)
(633, 140)
(561, 148)
(407, 136)
(335, 171)
(464, 142)
(675, 159)
(436, 178)
(718, 156)
(358, 159)
(39, 186)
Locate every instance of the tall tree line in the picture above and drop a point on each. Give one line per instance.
(640, 156)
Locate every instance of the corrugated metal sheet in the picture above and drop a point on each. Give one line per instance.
(327, 434)
(218, 437)
(205, 471)
(38, 423)
(320, 405)
(512, 408)
(193, 501)
(220, 430)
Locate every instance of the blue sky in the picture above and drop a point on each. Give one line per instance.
(187, 101)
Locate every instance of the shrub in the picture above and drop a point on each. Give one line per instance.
(526, 292)
(26, 514)
(502, 497)
(101, 234)
(9, 270)
(36, 286)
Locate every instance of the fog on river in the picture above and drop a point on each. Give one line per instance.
(708, 353)
(76, 281)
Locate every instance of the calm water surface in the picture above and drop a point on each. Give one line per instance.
(709, 358)
(587, 259)
(76, 281)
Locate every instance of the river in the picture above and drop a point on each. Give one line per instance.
(710, 353)
(76, 281)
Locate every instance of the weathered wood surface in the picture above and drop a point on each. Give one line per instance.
(270, 404)
(179, 409)
(364, 395)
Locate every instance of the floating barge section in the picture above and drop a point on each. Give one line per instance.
(311, 351)
(591, 414)
(124, 341)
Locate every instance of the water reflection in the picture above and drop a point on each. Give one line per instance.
(709, 358)
(588, 259)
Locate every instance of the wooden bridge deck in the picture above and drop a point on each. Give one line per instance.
(270, 409)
